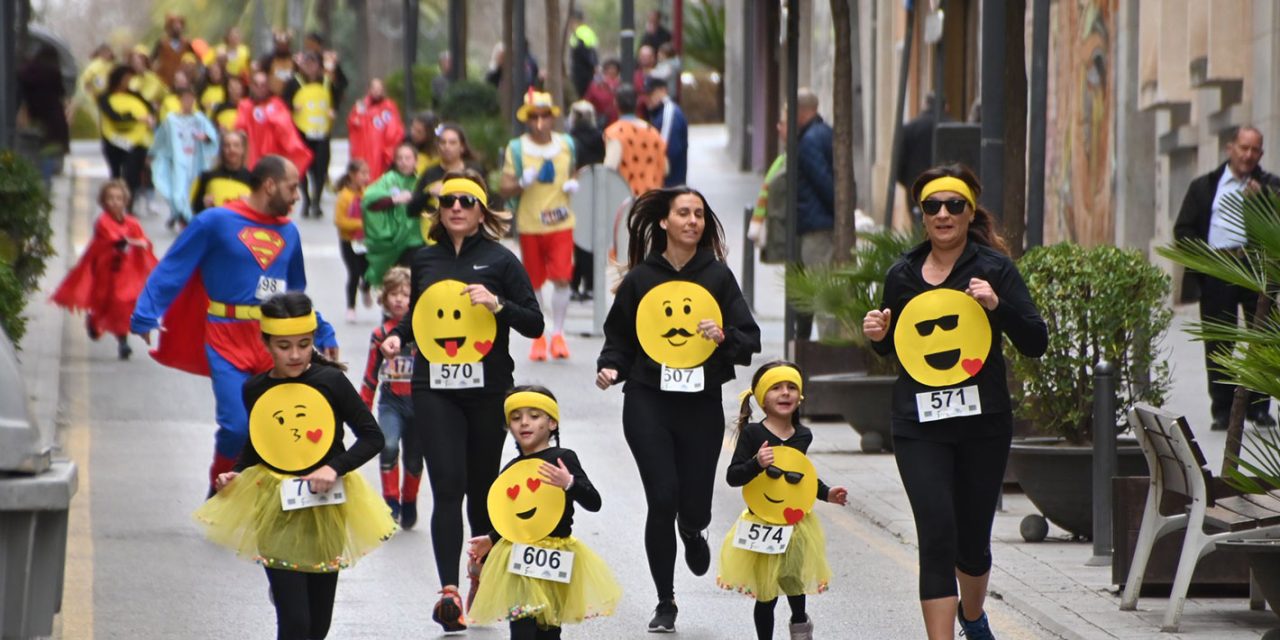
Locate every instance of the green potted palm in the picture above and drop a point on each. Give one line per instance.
(861, 390)
(1100, 303)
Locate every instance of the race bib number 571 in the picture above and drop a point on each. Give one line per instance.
(948, 403)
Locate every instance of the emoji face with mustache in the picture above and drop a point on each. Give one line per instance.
(667, 323)
(942, 337)
(292, 426)
(522, 506)
(448, 328)
(786, 491)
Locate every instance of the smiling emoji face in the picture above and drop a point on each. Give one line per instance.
(448, 328)
(942, 337)
(292, 426)
(522, 506)
(786, 491)
(667, 323)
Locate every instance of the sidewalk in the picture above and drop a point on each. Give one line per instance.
(1048, 581)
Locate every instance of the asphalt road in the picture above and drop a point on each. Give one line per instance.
(138, 567)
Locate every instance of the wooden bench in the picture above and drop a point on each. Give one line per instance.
(1178, 467)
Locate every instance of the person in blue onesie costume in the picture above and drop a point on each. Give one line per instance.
(222, 267)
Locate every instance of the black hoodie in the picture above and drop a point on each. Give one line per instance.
(480, 261)
(622, 350)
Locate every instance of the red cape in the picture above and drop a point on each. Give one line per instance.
(373, 131)
(270, 128)
(106, 281)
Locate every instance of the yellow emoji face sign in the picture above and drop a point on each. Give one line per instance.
(292, 426)
(523, 507)
(667, 323)
(942, 337)
(448, 328)
(786, 491)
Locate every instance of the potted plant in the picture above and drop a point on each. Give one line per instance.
(861, 391)
(1100, 303)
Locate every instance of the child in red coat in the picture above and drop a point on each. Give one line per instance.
(110, 275)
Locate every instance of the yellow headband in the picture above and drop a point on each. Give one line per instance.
(772, 377)
(532, 400)
(289, 326)
(948, 183)
(467, 186)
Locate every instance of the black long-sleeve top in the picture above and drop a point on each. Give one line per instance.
(581, 491)
(347, 407)
(1016, 316)
(743, 467)
(479, 261)
(622, 351)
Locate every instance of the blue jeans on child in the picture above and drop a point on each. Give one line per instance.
(395, 416)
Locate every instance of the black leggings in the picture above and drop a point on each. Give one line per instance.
(583, 271)
(317, 174)
(461, 437)
(954, 488)
(675, 439)
(356, 264)
(764, 614)
(304, 603)
(127, 164)
(528, 629)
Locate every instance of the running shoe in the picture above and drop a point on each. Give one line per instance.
(976, 629)
(124, 350)
(448, 611)
(538, 352)
(664, 617)
(408, 515)
(559, 350)
(802, 630)
(696, 552)
(394, 504)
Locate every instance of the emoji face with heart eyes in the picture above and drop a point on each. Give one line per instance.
(292, 426)
(786, 491)
(522, 506)
(942, 337)
(448, 328)
(667, 323)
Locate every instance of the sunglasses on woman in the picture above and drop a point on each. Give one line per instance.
(955, 206)
(467, 201)
(792, 477)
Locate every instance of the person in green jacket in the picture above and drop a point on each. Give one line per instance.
(390, 235)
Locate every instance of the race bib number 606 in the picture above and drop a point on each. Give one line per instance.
(538, 562)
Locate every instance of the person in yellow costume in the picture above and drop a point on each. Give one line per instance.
(294, 501)
(228, 180)
(225, 113)
(93, 80)
(233, 53)
(128, 121)
(213, 89)
(145, 81)
(312, 96)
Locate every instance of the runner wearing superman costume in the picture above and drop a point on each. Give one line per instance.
(222, 266)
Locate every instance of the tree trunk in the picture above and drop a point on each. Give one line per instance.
(846, 191)
(555, 56)
(508, 45)
(324, 23)
(1015, 126)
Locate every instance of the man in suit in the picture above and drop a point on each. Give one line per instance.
(1203, 216)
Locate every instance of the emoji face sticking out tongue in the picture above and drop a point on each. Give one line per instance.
(522, 507)
(448, 328)
(786, 491)
(292, 426)
(942, 337)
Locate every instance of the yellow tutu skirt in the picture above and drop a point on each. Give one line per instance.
(801, 569)
(247, 518)
(503, 596)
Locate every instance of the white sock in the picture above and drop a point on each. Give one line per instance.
(559, 307)
(537, 293)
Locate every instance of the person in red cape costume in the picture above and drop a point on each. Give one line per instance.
(374, 129)
(269, 124)
(109, 276)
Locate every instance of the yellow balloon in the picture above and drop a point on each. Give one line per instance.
(942, 337)
(780, 500)
(667, 323)
(522, 505)
(292, 426)
(448, 328)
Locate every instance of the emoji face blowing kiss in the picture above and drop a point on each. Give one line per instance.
(448, 328)
(292, 426)
(942, 337)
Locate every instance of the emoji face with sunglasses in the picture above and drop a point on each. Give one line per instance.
(942, 337)
(785, 490)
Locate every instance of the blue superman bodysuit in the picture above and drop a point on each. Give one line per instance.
(223, 265)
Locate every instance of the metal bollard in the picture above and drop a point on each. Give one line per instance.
(1104, 459)
(748, 261)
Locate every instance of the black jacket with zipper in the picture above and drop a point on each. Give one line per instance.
(1016, 316)
(622, 350)
(480, 261)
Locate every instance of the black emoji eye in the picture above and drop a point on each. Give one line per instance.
(668, 311)
(457, 315)
(440, 313)
(280, 419)
(688, 310)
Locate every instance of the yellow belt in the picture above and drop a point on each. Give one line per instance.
(237, 311)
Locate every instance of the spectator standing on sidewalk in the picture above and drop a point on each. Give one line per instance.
(815, 193)
(538, 170)
(668, 118)
(600, 93)
(583, 58)
(440, 83)
(1203, 216)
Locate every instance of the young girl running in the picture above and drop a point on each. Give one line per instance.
(292, 503)
(802, 567)
(110, 275)
(395, 406)
(348, 217)
(533, 526)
